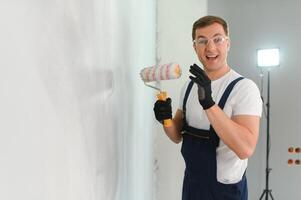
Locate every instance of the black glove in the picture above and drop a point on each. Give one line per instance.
(163, 110)
(204, 86)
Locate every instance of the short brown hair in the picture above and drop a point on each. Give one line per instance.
(209, 20)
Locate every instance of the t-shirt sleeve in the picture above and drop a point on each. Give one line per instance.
(247, 99)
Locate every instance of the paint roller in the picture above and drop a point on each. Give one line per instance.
(158, 73)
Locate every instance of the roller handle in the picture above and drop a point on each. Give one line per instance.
(163, 96)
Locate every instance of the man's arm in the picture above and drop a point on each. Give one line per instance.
(239, 133)
(174, 131)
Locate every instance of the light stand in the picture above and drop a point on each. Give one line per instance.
(267, 58)
(267, 192)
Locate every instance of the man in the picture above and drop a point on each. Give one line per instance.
(217, 120)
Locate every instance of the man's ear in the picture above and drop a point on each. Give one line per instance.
(194, 47)
(228, 45)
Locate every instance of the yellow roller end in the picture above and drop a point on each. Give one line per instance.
(178, 71)
(167, 122)
(162, 96)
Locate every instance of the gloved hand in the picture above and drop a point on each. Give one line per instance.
(204, 86)
(163, 110)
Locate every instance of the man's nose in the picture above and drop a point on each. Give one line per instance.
(210, 44)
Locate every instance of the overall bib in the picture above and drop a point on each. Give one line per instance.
(199, 152)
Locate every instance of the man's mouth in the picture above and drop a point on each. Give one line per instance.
(211, 57)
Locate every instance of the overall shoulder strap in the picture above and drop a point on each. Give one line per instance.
(227, 92)
(184, 104)
(186, 95)
(223, 99)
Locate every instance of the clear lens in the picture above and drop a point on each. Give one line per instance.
(202, 41)
(217, 40)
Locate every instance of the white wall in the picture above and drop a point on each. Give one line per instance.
(71, 99)
(262, 24)
(174, 26)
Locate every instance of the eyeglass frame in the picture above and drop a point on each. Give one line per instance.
(196, 42)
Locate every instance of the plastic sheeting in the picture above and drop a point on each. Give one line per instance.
(72, 107)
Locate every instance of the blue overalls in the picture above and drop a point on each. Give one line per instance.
(199, 152)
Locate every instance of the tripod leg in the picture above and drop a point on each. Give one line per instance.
(270, 193)
(262, 195)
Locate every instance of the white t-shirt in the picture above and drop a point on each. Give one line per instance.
(244, 99)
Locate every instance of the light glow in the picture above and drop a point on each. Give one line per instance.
(268, 57)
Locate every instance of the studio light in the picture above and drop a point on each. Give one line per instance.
(267, 58)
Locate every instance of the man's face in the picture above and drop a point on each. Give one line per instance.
(211, 46)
